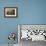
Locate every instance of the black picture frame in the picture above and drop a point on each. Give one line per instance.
(10, 12)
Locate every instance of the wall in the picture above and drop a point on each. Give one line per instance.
(29, 12)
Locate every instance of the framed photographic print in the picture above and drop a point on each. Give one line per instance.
(10, 12)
